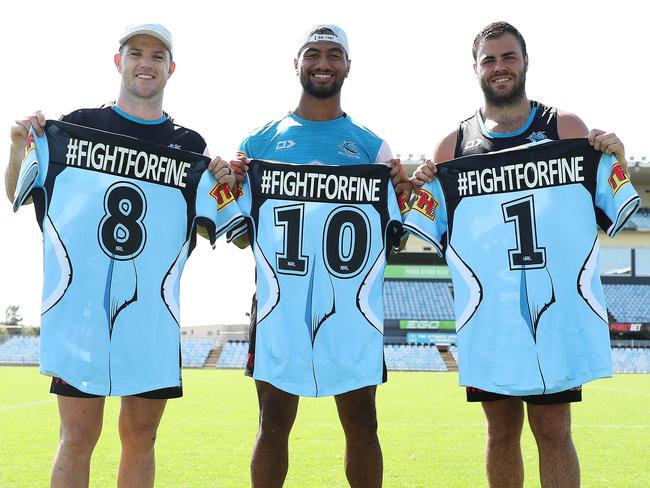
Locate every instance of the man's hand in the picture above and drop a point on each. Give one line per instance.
(400, 179)
(239, 167)
(21, 127)
(425, 173)
(19, 132)
(221, 170)
(609, 143)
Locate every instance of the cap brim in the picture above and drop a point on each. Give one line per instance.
(147, 32)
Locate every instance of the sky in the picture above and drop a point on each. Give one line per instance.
(411, 82)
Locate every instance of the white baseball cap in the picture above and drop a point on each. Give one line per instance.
(338, 37)
(158, 31)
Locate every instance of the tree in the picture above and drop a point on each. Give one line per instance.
(12, 315)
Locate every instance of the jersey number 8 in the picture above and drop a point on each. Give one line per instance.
(121, 233)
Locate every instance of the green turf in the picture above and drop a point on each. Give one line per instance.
(430, 436)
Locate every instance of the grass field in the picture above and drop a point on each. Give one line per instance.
(430, 436)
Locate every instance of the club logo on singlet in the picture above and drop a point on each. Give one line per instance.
(537, 136)
(474, 143)
(284, 145)
(349, 149)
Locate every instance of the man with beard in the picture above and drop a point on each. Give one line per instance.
(317, 131)
(508, 119)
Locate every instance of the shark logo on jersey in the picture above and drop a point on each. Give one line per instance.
(469, 145)
(537, 136)
(284, 145)
(349, 149)
(175, 146)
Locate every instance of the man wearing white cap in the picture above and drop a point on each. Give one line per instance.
(350, 365)
(145, 63)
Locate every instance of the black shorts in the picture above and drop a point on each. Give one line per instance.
(567, 396)
(60, 387)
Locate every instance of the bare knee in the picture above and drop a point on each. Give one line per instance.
(358, 414)
(505, 420)
(138, 423)
(81, 423)
(277, 413)
(80, 437)
(551, 424)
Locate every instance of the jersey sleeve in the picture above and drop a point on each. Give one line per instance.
(427, 217)
(33, 169)
(244, 150)
(216, 209)
(244, 203)
(397, 211)
(384, 153)
(616, 199)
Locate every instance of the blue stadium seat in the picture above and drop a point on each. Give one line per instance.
(20, 350)
(233, 355)
(631, 359)
(411, 357)
(628, 302)
(194, 352)
(418, 300)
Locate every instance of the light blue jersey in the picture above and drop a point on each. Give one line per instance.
(320, 236)
(118, 217)
(340, 141)
(519, 232)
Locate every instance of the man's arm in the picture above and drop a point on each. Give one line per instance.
(443, 151)
(19, 132)
(570, 125)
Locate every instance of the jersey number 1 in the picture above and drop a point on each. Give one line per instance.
(527, 254)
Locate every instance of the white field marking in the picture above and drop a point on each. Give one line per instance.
(475, 425)
(19, 406)
(619, 390)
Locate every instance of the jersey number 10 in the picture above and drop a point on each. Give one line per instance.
(346, 241)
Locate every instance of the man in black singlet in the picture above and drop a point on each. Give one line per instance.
(508, 119)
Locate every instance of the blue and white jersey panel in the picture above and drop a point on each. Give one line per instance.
(341, 141)
(519, 231)
(321, 235)
(118, 217)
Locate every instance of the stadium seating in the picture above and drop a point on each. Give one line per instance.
(453, 350)
(403, 357)
(631, 359)
(25, 350)
(233, 355)
(641, 220)
(20, 350)
(628, 302)
(195, 351)
(418, 299)
(408, 357)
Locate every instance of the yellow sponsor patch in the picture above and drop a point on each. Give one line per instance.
(222, 194)
(618, 177)
(30, 145)
(426, 205)
(403, 204)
